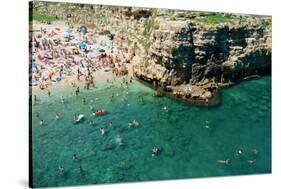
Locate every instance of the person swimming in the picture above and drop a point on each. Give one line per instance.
(57, 116)
(133, 123)
(251, 161)
(61, 169)
(49, 93)
(206, 124)
(110, 124)
(41, 122)
(102, 130)
(165, 109)
(239, 152)
(74, 157)
(155, 151)
(74, 118)
(80, 168)
(254, 151)
(62, 99)
(225, 162)
(77, 91)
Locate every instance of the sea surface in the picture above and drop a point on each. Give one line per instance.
(188, 149)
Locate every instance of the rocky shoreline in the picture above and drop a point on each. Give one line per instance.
(185, 54)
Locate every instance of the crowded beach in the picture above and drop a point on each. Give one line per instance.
(63, 53)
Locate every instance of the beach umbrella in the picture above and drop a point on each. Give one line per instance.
(83, 29)
(82, 45)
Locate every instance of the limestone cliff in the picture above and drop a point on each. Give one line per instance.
(175, 49)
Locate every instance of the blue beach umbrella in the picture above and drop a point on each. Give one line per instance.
(83, 29)
(82, 45)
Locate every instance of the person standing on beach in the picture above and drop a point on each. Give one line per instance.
(61, 70)
(78, 74)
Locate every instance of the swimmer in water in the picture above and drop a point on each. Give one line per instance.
(49, 93)
(165, 109)
(74, 157)
(225, 162)
(84, 100)
(254, 151)
(41, 122)
(102, 131)
(62, 99)
(110, 124)
(57, 116)
(155, 151)
(252, 161)
(80, 168)
(207, 124)
(239, 152)
(61, 169)
(74, 118)
(135, 123)
(77, 91)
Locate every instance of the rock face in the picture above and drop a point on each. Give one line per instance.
(222, 53)
(171, 48)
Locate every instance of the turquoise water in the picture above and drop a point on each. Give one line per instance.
(187, 148)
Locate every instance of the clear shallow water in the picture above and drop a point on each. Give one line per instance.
(187, 149)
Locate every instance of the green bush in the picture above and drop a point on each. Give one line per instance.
(41, 17)
(215, 19)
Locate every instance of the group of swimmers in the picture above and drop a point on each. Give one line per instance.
(74, 158)
(240, 152)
